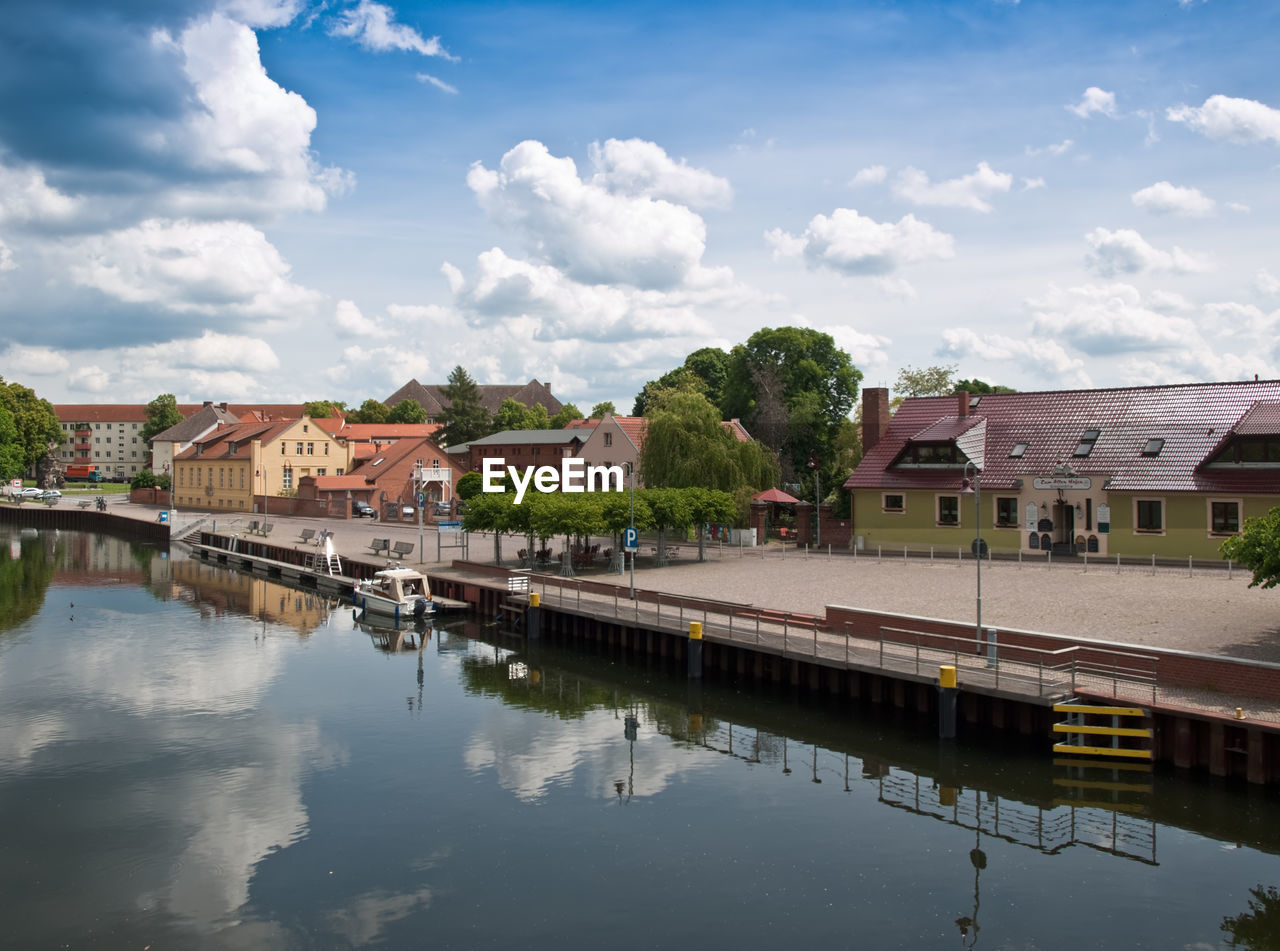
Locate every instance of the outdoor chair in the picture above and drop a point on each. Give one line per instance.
(380, 545)
(306, 535)
(401, 549)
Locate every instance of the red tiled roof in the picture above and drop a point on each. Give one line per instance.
(1193, 420)
(330, 483)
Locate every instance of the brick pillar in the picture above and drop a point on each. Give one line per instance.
(759, 512)
(804, 523)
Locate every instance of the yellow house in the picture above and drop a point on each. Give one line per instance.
(237, 468)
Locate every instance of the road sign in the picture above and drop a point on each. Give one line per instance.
(421, 498)
(446, 527)
(630, 539)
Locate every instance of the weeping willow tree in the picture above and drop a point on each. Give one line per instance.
(686, 446)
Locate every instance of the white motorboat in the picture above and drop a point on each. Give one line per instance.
(395, 592)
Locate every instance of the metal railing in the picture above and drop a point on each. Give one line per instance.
(1040, 672)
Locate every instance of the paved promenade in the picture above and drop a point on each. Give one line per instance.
(1202, 610)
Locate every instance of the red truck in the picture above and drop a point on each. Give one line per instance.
(83, 474)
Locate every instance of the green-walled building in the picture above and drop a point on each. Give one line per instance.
(1157, 470)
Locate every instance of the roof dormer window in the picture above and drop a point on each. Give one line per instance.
(1018, 450)
(1087, 442)
(1153, 447)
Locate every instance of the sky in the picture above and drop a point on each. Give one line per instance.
(288, 200)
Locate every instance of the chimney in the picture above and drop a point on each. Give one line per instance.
(875, 416)
(223, 407)
(208, 403)
(962, 403)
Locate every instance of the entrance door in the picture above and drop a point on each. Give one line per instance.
(1065, 522)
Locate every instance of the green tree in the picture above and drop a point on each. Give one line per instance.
(324, 409)
(1257, 547)
(370, 411)
(707, 506)
(465, 418)
(28, 428)
(598, 411)
(162, 412)
(1257, 929)
(977, 387)
(568, 413)
(927, 381)
(469, 486)
(669, 509)
(513, 414)
(407, 411)
(686, 445)
(703, 370)
(793, 388)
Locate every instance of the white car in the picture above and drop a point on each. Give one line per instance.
(29, 492)
(50, 495)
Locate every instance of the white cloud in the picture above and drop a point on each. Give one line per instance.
(1239, 206)
(247, 129)
(6, 259)
(594, 235)
(1030, 184)
(348, 319)
(89, 379)
(868, 351)
(38, 361)
(262, 13)
(223, 268)
(1264, 282)
(1048, 358)
(852, 244)
(1126, 252)
(871, 175)
(638, 168)
(1094, 100)
(372, 26)
(25, 197)
(1106, 319)
(438, 83)
(1232, 120)
(1164, 198)
(969, 191)
(1059, 148)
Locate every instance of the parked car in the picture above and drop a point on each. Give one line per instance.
(441, 508)
(29, 492)
(50, 495)
(363, 510)
(408, 511)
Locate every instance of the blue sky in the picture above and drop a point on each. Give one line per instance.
(284, 200)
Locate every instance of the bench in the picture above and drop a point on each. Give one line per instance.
(306, 534)
(264, 529)
(401, 549)
(252, 527)
(380, 545)
(84, 503)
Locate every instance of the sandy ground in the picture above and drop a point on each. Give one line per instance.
(1202, 611)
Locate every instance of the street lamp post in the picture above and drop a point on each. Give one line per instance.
(974, 485)
(262, 475)
(631, 468)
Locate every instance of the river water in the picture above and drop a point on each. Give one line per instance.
(195, 758)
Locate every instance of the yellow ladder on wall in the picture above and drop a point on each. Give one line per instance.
(1094, 730)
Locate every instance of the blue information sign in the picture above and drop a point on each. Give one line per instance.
(421, 498)
(630, 539)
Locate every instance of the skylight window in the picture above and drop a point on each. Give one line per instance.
(1087, 442)
(1017, 451)
(1153, 447)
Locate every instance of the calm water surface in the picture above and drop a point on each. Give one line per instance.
(194, 758)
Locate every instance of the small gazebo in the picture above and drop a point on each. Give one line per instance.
(767, 503)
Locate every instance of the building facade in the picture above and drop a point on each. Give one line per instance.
(1169, 471)
(239, 468)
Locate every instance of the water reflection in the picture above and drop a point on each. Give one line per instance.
(26, 568)
(213, 760)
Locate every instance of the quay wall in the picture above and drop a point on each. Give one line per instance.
(1183, 737)
(1232, 677)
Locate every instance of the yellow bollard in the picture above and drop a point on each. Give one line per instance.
(946, 676)
(695, 630)
(535, 599)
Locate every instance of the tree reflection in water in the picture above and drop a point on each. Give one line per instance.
(1257, 929)
(26, 569)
